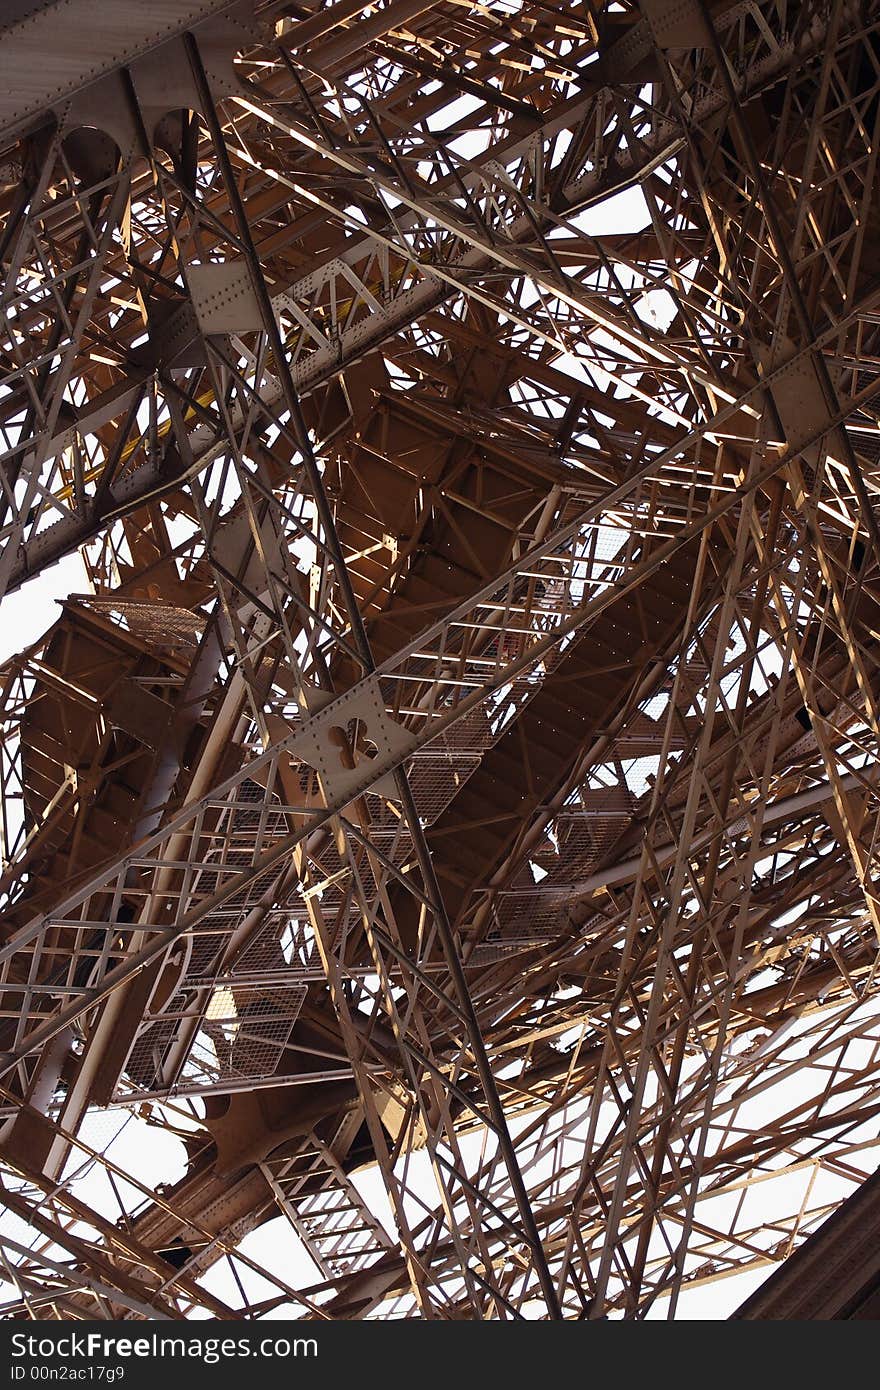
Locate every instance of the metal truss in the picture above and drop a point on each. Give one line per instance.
(439, 833)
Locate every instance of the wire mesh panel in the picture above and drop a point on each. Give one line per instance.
(237, 1038)
(166, 627)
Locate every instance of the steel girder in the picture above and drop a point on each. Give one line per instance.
(461, 774)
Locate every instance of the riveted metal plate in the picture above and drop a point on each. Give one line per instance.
(675, 23)
(317, 745)
(223, 298)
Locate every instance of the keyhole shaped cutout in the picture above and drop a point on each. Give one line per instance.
(353, 744)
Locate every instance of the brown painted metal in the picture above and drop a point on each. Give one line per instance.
(443, 817)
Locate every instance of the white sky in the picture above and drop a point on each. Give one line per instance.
(31, 610)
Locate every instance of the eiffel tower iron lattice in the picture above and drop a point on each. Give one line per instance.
(440, 868)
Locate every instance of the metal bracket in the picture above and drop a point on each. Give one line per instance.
(675, 23)
(223, 298)
(799, 399)
(316, 746)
